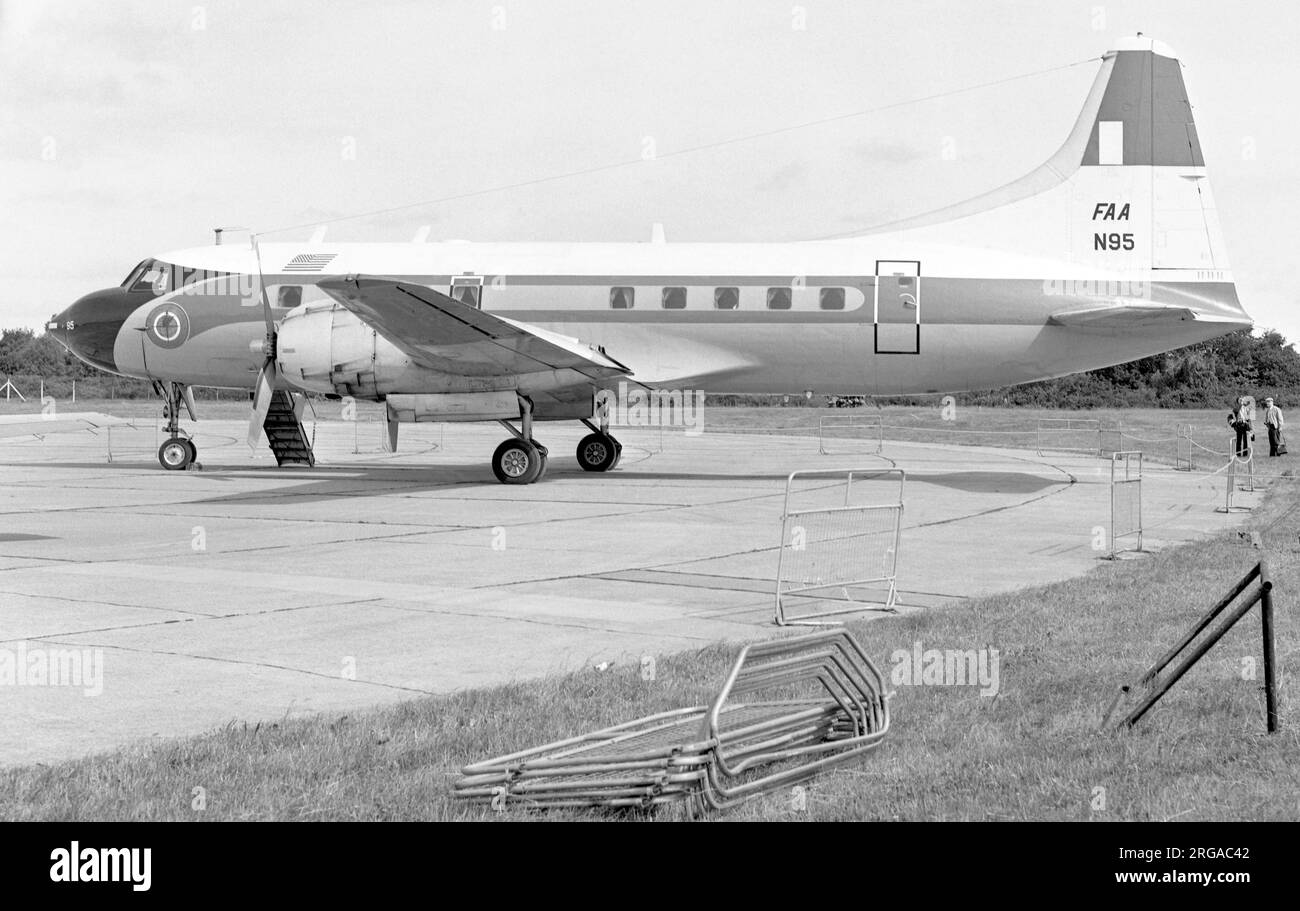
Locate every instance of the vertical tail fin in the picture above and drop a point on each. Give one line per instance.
(1127, 192)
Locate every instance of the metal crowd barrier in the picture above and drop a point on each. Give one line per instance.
(1238, 468)
(825, 704)
(829, 551)
(1183, 447)
(871, 423)
(1087, 427)
(1125, 498)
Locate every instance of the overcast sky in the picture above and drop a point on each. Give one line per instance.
(132, 128)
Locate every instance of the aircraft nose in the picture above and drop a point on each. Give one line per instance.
(89, 327)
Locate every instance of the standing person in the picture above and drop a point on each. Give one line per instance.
(1273, 421)
(1239, 419)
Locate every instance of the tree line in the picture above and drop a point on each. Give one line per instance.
(1208, 374)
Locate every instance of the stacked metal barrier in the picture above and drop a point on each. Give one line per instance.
(823, 703)
(839, 544)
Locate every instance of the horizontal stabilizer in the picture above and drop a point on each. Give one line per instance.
(1128, 316)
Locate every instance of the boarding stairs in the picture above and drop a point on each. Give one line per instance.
(284, 431)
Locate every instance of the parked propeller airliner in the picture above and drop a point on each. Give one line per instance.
(1109, 252)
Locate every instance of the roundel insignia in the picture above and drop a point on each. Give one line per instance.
(168, 325)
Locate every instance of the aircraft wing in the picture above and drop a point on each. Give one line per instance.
(444, 334)
(1124, 316)
(24, 425)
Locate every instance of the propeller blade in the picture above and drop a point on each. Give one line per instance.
(261, 402)
(391, 442)
(187, 396)
(261, 293)
(266, 377)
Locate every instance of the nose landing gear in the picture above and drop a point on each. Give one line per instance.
(179, 452)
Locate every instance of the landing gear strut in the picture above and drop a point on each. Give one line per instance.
(599, 451)
(179, 452)
(521, 459)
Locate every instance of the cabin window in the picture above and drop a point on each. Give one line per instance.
(469, 291)
(832, 298)
(289, 296)
(778, 298)
(726, 298)
(674, 298)
(621, 298)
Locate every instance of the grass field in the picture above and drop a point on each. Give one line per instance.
(1030, 752)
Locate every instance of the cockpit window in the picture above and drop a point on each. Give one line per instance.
(160, 277)
(153, 276)
(134, 275)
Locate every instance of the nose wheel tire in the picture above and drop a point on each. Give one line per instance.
(176, 454)
(517, 462)
(599, 452)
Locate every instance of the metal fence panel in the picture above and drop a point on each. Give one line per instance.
(837, 551)
(1125, 498)
(1080, 435)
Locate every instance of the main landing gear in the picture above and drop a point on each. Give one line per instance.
(519, 461)
(522, 460)
(179, 452)
(599, 451)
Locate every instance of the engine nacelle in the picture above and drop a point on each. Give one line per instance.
(322, 347)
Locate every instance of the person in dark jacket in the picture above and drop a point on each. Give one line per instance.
(1239, 419)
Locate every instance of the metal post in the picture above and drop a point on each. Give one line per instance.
(1232, 482)
(1141, 471)
(1114, 548)
(1270, 658)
